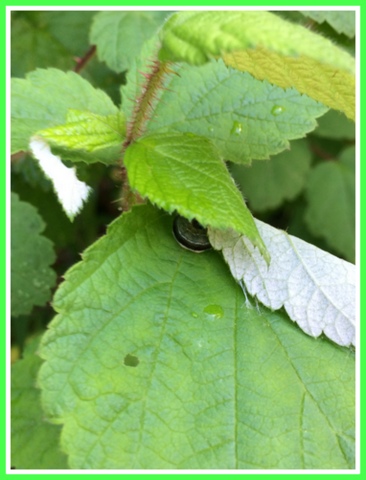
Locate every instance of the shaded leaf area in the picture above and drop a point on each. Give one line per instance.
(34, 441)
(184, 172)
(154, 361)
(245, 118)
(317, 289)
(30, 183)
(341, 21)
(87, 131)
(43, 99)
(31, 257)
(268, 47)
(119, 35)
(47, 39)
(266, 185)
(336, 126)
(331, 203)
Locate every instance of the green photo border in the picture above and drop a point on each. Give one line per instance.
(4, 210)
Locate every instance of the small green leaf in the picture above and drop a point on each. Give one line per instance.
(331, 203)
(34, 442)
(268, 47)
(184, 172)
(244, 118)
(341, 21)
(155, 362)
(42, 100)
(31, 257)
(120, 35)
(87, 131)
(268, 184)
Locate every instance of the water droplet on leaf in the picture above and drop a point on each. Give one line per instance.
(277, 110)
(194, 314)
(237, 128)
(214, 311)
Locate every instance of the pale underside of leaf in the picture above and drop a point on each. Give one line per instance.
(71, 192)
(269, 48)
(316, 289)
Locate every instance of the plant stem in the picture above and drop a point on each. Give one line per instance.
(81, 62)
(140, 116)
(145, 102)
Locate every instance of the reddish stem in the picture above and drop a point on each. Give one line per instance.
(81, 62)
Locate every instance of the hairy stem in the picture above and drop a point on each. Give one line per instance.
(140, 116)
(145, 102)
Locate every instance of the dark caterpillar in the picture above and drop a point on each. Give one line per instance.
(190, 234)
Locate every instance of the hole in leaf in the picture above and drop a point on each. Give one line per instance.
(131, 360)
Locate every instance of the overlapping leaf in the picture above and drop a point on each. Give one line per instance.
(87, 131)
(31, 257)
(244, 118)
(43, 99)
(155, 362)
(317, 289)
(184, 172)
(268, 47)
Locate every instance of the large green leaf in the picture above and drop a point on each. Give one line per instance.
(31, 257)
(43, 99)
(267, 185)
(246, 119)
(119, 35)
(34, 442)
(268, 47)
(155, 362)
(331, 203)
(184, 172)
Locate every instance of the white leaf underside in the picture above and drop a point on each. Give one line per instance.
(71, 192)
(316, 288)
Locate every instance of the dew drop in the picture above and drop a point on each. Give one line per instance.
(214, 311)
(194, 314)
(277, 110)
(237, 128)
(211, 129)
